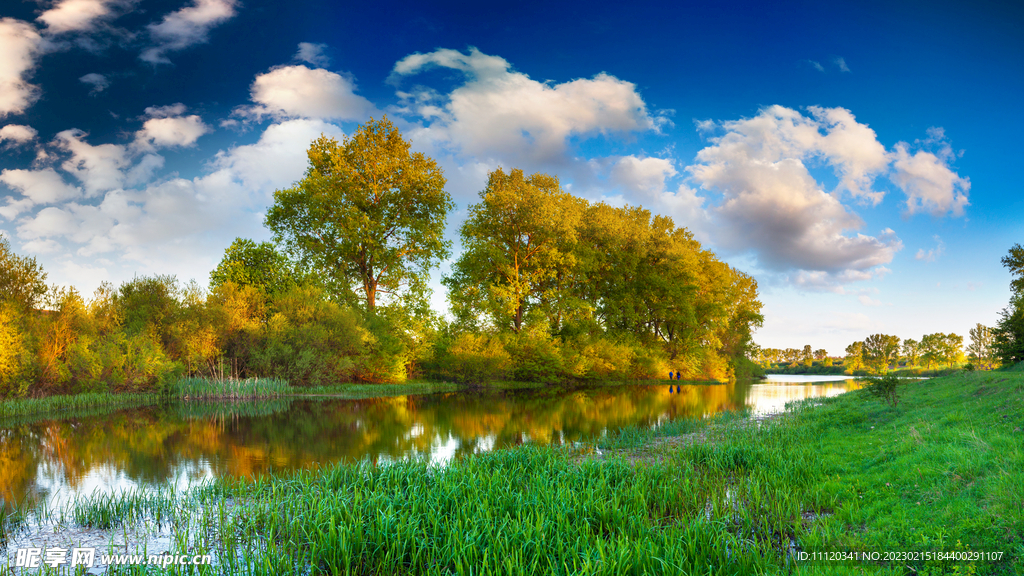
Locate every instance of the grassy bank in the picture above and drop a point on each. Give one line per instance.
(941, 471)
(60, 406)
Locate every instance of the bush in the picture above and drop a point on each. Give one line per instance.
(885, 387)
(473, 358)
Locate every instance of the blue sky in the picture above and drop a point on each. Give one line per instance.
(861, 161)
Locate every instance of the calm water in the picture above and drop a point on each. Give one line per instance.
(185, 443)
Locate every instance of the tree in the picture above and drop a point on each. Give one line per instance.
(932, 348)
(911, 351)
(808, 355)
(22, 280)
(952, 348)
(368, 213)
(854, 356)
(518, 241)
(261, 266)
(1008, 341)
(820, 354)
(880, 350)
(981, 344)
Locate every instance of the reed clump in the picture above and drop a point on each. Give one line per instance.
(230, 388)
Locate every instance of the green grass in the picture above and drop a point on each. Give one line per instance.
(60, 405)
(229, 388)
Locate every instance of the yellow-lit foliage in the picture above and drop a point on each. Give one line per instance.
(13, 352)
(476, 358)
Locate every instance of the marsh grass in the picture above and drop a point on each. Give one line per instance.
(230, 388)
(59, 405)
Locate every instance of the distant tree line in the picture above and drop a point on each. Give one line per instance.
(549, 287)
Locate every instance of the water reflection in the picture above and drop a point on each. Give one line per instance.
(180, 444)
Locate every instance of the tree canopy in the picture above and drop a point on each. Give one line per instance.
(1008, 342)
(369, 215)
(22, 280)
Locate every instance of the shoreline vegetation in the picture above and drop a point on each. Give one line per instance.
(549, 288)
(941, 471)
(193, 389)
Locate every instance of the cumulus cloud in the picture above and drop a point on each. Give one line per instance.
(98, 168)
(76, 15)
(162, 225)
(929, 183)
(186, 27)
(301, 92)
(772, 205)
(504, 114)
(933, 254)
(166, 128)
(20, 44)
(37, 187)
(315, 54)
(99, 82)
(17, 134)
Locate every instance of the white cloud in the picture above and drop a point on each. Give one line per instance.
(933, 254)
(20, 45)
(301, 92)
(176, 109)
(507, 115)
(163, 225)
(868, 301)
(76, 15)
(17, 134)
(816, 65)
(930, 185)
(186, 27)
(99, 168)
(99, 82)
(314, 54)
(840, 63)
(773, 206)
(143, 171)
(38, 187)
(168, 132)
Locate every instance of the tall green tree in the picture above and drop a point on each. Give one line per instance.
(369, 213)
(933, 348)
(880, 350)
(1008, 341)
(22, 280)
(981, 343)
(519, 242)
(261, 266)
(854, 356)
(911, 351)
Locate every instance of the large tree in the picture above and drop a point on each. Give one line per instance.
(981, 344)
(880, 350)
(369, 215)
(1008, 342)
(518, 245)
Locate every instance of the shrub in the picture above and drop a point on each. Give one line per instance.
(474, 358)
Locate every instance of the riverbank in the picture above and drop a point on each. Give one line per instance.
(940, 471)
(60, 407)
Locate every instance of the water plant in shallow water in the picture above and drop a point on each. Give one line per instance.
(230, 388)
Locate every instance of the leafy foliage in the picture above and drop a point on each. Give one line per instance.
(369, 214)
